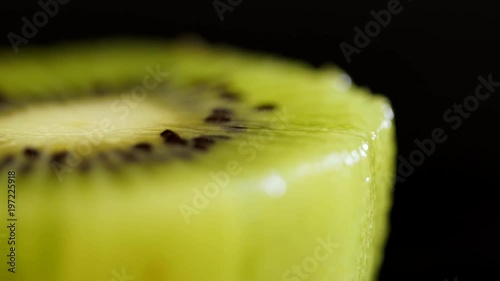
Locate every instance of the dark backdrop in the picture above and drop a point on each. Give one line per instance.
(428, 58)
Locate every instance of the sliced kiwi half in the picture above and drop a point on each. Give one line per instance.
(148, 160)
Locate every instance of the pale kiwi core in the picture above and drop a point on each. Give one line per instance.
(62, 125)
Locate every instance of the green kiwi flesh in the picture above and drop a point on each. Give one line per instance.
(144, 160)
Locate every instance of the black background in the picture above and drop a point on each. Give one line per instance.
(445, 217)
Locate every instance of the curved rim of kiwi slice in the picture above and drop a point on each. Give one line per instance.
(125, 109)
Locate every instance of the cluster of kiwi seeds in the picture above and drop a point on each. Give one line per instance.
(143, 152)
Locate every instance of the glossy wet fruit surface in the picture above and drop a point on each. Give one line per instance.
(175, 161)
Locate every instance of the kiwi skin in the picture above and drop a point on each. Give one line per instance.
(119, 212)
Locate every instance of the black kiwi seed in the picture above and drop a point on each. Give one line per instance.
(60, 157)
(230, 96)
(225, 111)
(266, 107)
(31, 153)
(143, 146)
(172, 137)
(203, 142)
(218, 118)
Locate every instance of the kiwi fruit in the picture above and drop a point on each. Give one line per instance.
(151, 160)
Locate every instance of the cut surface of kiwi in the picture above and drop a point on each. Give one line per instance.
(148, 160)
